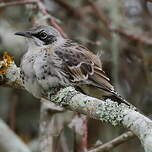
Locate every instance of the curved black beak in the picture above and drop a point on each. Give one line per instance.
(24, 33)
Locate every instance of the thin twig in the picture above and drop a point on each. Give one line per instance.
(85, 133)
(102, 17)
(99, 13)
(148, 0)
(106, 22)
(42, 8)
(15, 3)
(77, 13)
(70, 9)
(13, 108)
(139, 38)
(113, 143)
(79, 125)
(9, 141)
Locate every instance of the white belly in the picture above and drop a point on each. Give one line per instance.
(30, 80)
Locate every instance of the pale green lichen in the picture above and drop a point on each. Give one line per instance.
(63, 96)
(141, 126)
(13, 73)
(112, 112)
(12, 76)
(107, 111)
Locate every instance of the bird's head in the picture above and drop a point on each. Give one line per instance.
(42, 35)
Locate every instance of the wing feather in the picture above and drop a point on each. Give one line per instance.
(83, 66)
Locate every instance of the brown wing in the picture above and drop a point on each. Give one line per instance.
(83, 66)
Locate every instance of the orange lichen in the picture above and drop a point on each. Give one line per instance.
(5, 62)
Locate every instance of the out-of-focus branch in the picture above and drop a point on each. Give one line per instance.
(79, 14)
(104, 19)
(126, 34)
(148, 0)
(9, 142)
(52, 20)
(79, 124)
(99, 13)
(71, 10)
(15, 3)
(122, 32)
(113, 143)
(48, 129)
(41, 8)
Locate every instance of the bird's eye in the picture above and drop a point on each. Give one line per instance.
(43, 35)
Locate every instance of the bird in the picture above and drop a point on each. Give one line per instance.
(52, 61)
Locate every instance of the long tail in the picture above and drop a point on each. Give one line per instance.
(120, 98)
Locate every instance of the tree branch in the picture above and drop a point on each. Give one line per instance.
(148, 0)
(77, 13)
(9, 73)
(107, 111)
(121, 31)
(113, 143)
(42, 8)
(103, 110)
(99, 13)
(15, 3)
(9, 142)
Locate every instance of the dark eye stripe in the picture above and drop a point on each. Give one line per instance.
(50, 39)
(42, 35)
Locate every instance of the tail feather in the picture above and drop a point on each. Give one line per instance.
(120, 98)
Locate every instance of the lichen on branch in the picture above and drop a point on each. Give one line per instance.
(107, 111)
(5, 62)
(9, 72)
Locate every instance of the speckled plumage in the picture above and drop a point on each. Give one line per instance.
(52, 61)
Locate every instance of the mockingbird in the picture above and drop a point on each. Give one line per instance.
(52, 61)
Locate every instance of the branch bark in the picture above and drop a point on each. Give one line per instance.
(103, 110)
(108, 111)
(113, 143)
(48, 129)
(15, 3)
(9, 142)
